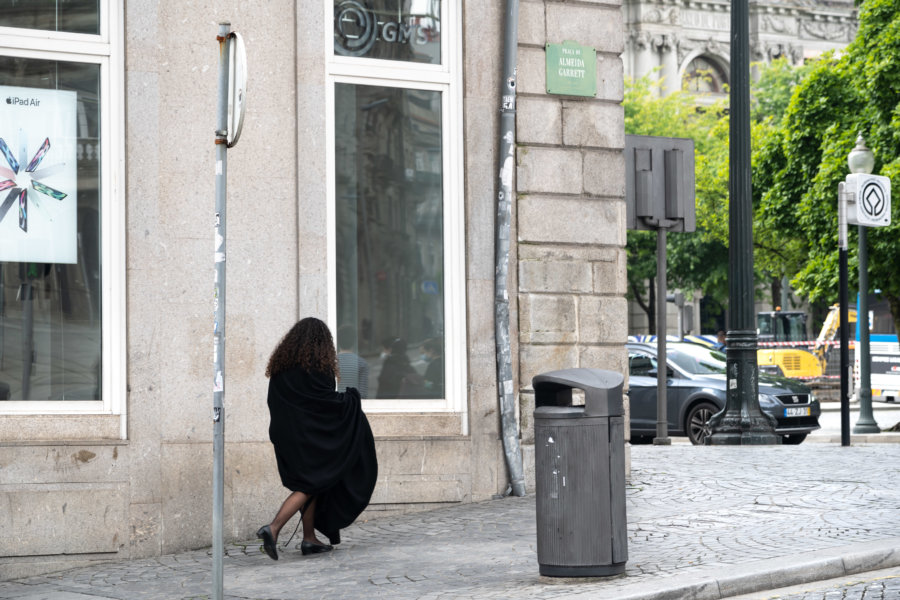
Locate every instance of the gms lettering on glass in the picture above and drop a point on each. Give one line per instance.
(407, 30)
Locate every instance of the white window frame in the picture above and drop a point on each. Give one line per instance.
(447, 79)
(107, 51)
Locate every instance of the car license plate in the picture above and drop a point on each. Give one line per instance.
(796, 411)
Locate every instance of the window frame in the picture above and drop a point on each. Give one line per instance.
(106, 50)
(445, 78)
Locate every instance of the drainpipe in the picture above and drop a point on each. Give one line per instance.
(508, 424)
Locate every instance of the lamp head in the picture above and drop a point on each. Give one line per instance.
(861, 159)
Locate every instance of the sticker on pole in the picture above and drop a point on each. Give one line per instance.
(872, 200)
(237, 86)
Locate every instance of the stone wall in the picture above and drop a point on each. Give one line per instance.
(571, 208)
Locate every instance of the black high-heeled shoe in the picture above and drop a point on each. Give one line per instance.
(265, 534)
(313, 548)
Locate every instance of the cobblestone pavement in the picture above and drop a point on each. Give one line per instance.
(875, 585)
(703, 522)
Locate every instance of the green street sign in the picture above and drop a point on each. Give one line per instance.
(571, 69)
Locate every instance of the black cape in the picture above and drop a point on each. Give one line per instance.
(323, 445)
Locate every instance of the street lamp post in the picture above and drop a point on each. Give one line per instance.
(742, 422)
(861, 160)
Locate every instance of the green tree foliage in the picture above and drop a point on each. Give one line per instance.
(678, 115)
(776, 255)
(700, 260)
(801, 162)
(772, 89)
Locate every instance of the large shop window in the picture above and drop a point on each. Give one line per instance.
(397, 210)
(55, 206)
(71, 16)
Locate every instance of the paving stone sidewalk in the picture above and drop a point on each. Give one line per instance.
(703, 522)
(873, 585)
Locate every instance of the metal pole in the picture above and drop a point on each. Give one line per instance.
(2, 311)
(26, 295)
(742, 422)
(662, 420)
(680, 321)
(219, 324)
(866, 421)
(845, 341)
(508, 424)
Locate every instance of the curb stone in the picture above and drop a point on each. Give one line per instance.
(763, 575)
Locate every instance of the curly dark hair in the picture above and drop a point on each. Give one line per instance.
(308, 344)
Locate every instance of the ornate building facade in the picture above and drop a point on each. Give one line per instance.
(686, 42)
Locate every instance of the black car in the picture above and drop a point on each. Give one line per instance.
(695, 390)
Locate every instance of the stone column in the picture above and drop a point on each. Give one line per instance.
(641, 54)
(668, 58)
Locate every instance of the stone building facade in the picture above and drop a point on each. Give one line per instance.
(687, 43)
(362, 191)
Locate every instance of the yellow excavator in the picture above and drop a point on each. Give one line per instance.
(790, 326)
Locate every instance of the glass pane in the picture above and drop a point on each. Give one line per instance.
(72, 16)
(390, 246)
(407, 30)
(49, 230)
(796, 328)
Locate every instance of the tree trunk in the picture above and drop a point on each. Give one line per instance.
(776, 294)
(637, 292)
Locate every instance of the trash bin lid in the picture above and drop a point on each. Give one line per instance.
(602, 390)
(558, 412)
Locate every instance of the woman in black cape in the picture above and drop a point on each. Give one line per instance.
(323, 443)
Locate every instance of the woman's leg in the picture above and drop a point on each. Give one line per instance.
(309, 519)
(291, 505)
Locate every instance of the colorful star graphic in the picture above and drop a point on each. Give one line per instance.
(17, 183)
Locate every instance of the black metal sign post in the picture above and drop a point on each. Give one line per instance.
(842, 294)
(659, 196)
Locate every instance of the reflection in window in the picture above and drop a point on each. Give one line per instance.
(407, 30)
(50, 343)
(390, 247)
(71, 16)
(703, 75)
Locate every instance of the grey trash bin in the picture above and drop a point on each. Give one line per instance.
(579, 468)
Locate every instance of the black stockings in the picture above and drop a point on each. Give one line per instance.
(293, 504)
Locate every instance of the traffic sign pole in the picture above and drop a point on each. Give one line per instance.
(871, 207)
(218, 545)
(845, 338)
